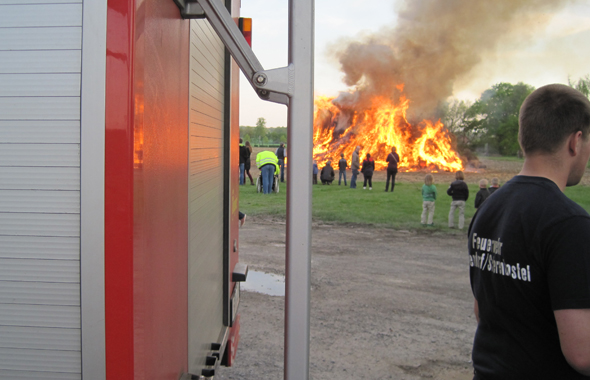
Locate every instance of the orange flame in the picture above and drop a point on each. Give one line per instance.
(376, 129)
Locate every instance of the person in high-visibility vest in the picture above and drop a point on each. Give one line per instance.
(268, 163)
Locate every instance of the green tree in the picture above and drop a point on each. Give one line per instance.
(247, 138)
(260, 128)
(265, 140)
(494, 116)
(454, 117)
(582, 85)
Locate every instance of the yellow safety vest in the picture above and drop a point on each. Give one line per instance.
(267, 157)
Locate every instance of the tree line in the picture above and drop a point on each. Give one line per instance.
(490, 124)
(261, 135)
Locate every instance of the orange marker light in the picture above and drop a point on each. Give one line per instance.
(246, 29)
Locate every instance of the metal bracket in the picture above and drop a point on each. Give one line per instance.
(190, 9)
(274, 85)
(240, 272)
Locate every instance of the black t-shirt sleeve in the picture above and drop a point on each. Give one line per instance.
(568, 264)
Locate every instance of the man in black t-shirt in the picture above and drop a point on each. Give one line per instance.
(529, 251)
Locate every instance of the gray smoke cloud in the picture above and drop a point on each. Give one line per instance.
(435, 43)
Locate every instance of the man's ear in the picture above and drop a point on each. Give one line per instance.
(574, 143)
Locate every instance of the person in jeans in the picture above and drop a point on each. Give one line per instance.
(392, 161)
(268, 164)
(355, 166)
(459, 192)
(428, 198)
(342, 165)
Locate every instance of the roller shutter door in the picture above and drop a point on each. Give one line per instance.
(40, 70)
(206, 175)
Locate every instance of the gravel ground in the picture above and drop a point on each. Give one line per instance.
(385, 304)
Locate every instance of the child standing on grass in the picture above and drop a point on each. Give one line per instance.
(460, 192)
(428, 198)
(495, 185)
(482, 194)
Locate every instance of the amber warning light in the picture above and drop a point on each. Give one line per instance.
(246, 28)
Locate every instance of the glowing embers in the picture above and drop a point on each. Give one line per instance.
(340, 124)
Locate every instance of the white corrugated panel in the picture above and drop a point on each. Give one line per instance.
(40, 293)
(40, 15)
(67, 317)
(40, 131)
(31, 224)
(40, 247)
(206, 117)
(36, 155)
(45, 61)
(40, 338)
(28, 85)
(40, 360)
(40, 108)
(40, 178)
(40, 68)
(54, 271)
(31, 375)
(52, 38)
(46, 201)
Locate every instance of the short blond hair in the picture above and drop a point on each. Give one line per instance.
(483, 183)
(495, 181)
(428, 180)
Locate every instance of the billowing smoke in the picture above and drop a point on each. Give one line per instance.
(434, 43)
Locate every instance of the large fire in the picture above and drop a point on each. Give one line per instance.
(376, 128)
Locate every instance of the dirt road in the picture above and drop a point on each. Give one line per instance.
(385, 304)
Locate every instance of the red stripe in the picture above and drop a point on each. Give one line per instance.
(119, 191)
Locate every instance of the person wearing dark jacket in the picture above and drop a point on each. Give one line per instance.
(327, 174)
(367, 170)
(248, 163)
(482, 194)
(244, 155)
(495, 185)
(342, 165)
(392, 161)
(281, 153)
(459, 192)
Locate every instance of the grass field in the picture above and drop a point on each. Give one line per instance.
(400, 209)
(513, 159)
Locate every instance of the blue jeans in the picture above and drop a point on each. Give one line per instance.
(267, 172)
(282, 165)
(342, 173)
(242, 179)
(355, 173)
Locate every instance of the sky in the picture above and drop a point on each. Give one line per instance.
(558, 48)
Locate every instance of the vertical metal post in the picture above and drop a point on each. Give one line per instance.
(300, 137)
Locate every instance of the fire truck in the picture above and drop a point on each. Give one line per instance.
(119, 188)
(118, 192)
